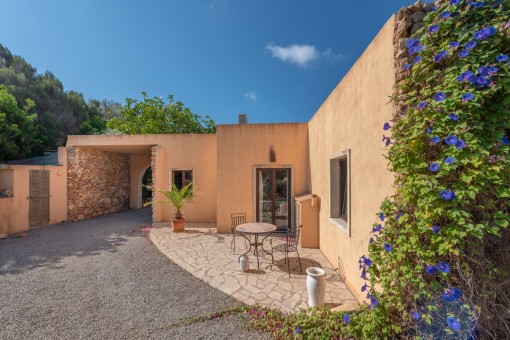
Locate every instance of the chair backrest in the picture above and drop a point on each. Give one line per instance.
(293, 235)
(237, 219)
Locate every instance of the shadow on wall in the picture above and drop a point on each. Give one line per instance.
(48, 246)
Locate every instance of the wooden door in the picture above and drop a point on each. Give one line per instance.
(39, 199)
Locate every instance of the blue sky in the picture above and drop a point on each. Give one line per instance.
(276, 61)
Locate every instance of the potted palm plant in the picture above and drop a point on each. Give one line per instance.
(177, 198)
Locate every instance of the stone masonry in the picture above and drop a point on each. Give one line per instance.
(407, 22)
(97, 182)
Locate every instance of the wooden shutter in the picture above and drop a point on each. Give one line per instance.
(39, 199)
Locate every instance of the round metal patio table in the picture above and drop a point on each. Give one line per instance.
(256, 229)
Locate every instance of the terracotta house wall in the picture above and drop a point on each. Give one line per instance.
(97, 181)
(14, 210)
(243, 148)
(165, 153)
(352, 118)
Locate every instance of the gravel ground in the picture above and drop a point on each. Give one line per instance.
(102, 279)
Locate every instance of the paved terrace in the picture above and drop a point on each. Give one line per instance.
(208, 256)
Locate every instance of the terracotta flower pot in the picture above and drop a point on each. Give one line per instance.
(178, 224)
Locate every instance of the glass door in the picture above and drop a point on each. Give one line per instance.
(273, 197)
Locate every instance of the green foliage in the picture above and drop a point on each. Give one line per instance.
(154, 116)
(178, 197)
(58, 113)
(446, 227)
(18, 134)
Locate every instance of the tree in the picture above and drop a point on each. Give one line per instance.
(18, 134)
(154, 116)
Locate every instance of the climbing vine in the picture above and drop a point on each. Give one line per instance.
(449, 149)
(438, 262)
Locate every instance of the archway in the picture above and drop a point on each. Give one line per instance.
(146, 186)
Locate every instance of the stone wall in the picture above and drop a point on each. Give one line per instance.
(154, 151)
(407, 22)
(97, 182)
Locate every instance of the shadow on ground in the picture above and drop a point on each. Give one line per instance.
(46, 246)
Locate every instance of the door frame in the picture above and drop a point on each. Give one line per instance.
(288, 167)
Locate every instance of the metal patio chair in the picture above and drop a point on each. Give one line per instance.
(290, 244)
(237, 219)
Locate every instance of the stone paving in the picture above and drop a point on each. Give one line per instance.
(208, 256)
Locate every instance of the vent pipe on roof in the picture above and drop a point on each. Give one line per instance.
(243, 118)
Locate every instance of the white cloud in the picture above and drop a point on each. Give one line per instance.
(302, 55)
(218, 4)
(251, 95)
(330, 56)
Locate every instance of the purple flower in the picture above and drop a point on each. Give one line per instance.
(407, 66)
(386, 126)
(460, 144)
(467, 97)
(454, 2)
(374, 301)
(445, 15)
(387, 140)
(388, 247)
(422, 105)
(364, 287)
(367, 261)
(439, 96)
(483, 70)
(444, 267)
(377, 228)
(453, 117)
(298, 330)
(475, 4)
(447, 195)
(415, 49)
(470, 45)
(371, 240)
(451, 140)
(451, 295)
(454, 44)
(399, 215)
(434, 167)
(504, 140)
(440, 56)
(484, 33)
(480, 81)
(429, 130)
(435, 140)
(431, 270)
(364, 274)
(501, 58)
(433, 28)
(415, 315)
(381, 216)
(346, 318)
(449, 160)
(412, 42)
(493, 70)
(417, 60)
(435, 229)
(463, 53)
(453, 323)
(464, 76)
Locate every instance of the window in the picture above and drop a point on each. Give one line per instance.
(339, 210)
(6, 183)
(182, 178)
